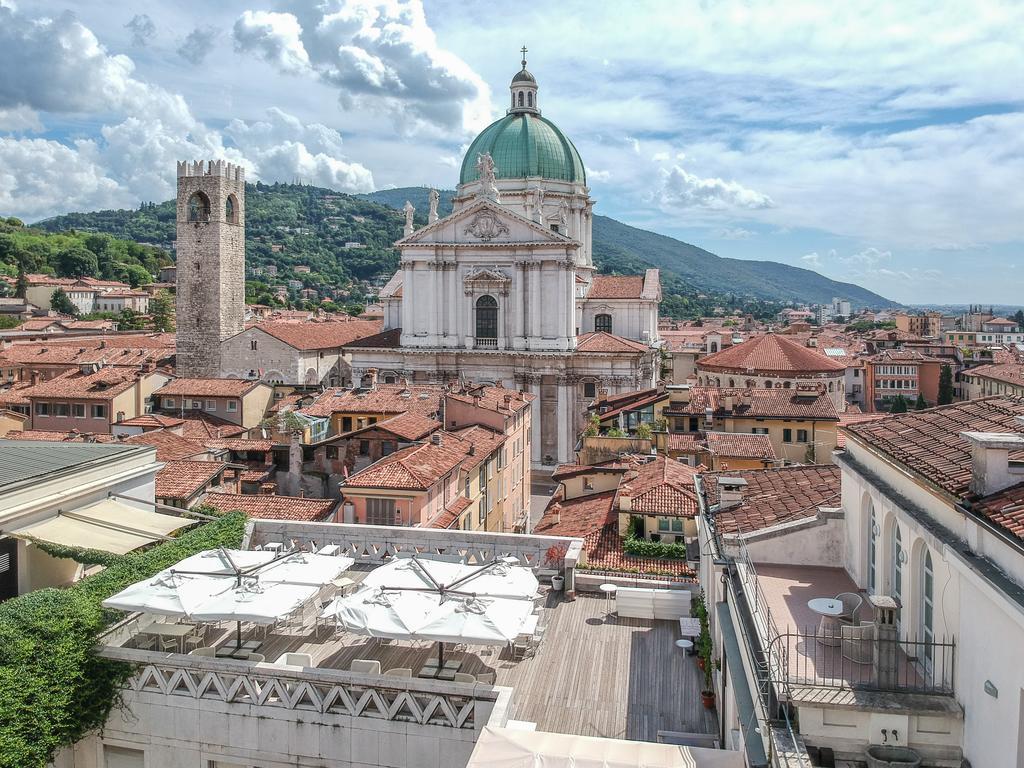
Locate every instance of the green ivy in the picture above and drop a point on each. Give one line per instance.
(634, 545)
(54, 689)
(82, 555)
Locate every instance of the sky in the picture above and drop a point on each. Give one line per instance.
(878, 143)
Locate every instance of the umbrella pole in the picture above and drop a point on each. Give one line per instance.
(440, 656)
(238, 636)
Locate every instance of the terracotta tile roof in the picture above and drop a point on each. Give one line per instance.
(103, 385)
(774, 496)
(616, 287)
(661, 487)
(74, 436)
(775, 403)
(152, 421)
(928, 442)
(1004, 509)
(52, 352)
(740, 445)
(181, 480)
(201, 426)
(415, 468)
(1008, 373)
(849, 417)
(14, 394)
(686, 443)
(385, 398)
(450, 515)
(482, 442)
(494, 398)
(410, 425)
(287, 402)
(902, 356)
(604, 551)
(641, 400)
(272, 507)
(605, 343)
(255, 475)
(239, 444)
(207, 387)
(773, 355)
(322, 335)
(169, 446)
(577, 517)
(391, 339)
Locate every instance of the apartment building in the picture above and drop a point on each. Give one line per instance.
(895, 372)
(993, 379)
(926, 325)
(236, 401)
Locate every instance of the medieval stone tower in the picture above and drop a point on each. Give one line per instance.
(211, 263)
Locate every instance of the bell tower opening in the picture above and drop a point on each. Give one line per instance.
(524, 91)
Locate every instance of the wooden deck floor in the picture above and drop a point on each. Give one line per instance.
(591, 675)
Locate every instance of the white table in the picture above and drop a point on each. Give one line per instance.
(685, 644)
(609, 591)
(830, 609)
(178, 631)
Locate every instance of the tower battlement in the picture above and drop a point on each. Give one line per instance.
(211, 168)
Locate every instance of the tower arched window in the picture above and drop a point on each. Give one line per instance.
(520, 98)
(872, 548)
(899, 557)
(198, 207)
(529, 98)
(231, 210)
(928, 607)
(487, 317)
(603, 323)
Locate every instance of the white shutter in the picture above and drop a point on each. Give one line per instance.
(5, 562)
(122, 757)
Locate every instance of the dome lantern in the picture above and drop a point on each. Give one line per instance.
(524, 91)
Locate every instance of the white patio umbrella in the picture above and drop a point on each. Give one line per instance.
(476, 620)
(255, 602)
(224, 562)
(495, 579)
(168, 594)
(376, 613)
(304, 568)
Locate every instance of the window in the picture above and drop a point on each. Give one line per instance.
(230, 210)
(364, 447)
(78, 410)
(663, 524)
(588, 484)
(694, 424)
(211, 405)
(61, 409)
(469, 482)
(168, 402)
(99, 411)
(484, 500)
(896, 573)
(380, 512)
(332, 452)
(928, 608)
(603, 323)
(677, 525)
(252, 345)
(198, 207)
(529, 98)
(767, 385)
(346, 423)
(232, 406)
(801, 435)
(520, 98)
(387, 447)
(122, 757)
(589, 389)
(487, 317)
(759, 430)
(787, 435)
(42, 409)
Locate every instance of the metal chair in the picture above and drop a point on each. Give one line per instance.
(399, 672)
(858, 642)
(145, 641)
(196, 639)
(169, 644)
(851, 604)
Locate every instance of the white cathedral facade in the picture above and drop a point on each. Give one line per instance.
(503, 290)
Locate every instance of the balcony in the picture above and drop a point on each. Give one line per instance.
(482, 342)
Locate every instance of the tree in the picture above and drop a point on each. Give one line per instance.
(593, 428)
(643, 430)
(130, 320)
(77, 261)
(135, 274)
(899, 405)
(161, 310)
(945, 385)
(60, 302)
(1018, 318)
(921, 403)
(21, 284)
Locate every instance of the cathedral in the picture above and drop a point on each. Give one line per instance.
(504, 289)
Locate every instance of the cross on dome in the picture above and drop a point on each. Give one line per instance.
(524, 90)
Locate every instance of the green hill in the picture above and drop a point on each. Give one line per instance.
(346, 241)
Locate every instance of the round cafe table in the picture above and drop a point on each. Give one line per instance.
(830, 610)
(609, 591)
(686, 645)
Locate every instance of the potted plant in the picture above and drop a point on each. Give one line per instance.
(553, 559)
(707, 695)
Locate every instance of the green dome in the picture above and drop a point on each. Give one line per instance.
(524, 144)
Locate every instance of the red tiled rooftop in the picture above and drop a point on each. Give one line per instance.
(384, 398)
(776, 403)
(605, 343)
(183, 479)
(152, 421)
(491, 398)
(322, 335)
(415, 468)
(928, 442)
(774, 496)
(206, 388)
(616, 287)
(272, 507)
(772, 355)
(661, 487)
(390, 339)
(740, 445)
(103, 384)
(604, 551)
(202, 426)
(169, 446)
(1009, 373)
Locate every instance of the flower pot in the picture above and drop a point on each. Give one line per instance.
(557, 582)
(700, 663)
(707, 698)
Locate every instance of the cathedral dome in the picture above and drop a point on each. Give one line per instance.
(524, 144)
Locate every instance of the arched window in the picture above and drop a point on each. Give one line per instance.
(872, 548)
(529, 99)
(785, 384)
(487, 317)
(714, 346)
(831, 386)
(231, 210)
(928, 607)
(899, 557)
(767, 385)
(520, 98)
(198, 207)
(603, 323)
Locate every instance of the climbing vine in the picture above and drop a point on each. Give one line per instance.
(54, 689)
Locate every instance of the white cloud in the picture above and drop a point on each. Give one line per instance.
(678, 188)
(197, 44)
(379, 55)
(812, 259)
(734, 233)
(20, 118)
(275, 37)
(142, 28)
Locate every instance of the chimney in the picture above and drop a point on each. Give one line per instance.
(34, 377)
(435, 438)
(372, 373)
(991, 470)
(626, 499)
(730, 491)
(103, 343)
(729, 402)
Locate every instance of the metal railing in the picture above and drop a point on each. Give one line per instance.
(852, 657)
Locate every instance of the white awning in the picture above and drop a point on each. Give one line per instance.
(108, 525)
(535, 749)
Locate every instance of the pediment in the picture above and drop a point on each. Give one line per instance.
(484, 223)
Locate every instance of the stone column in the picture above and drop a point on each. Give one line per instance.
(564, 448)
(535, 306)
(518, 310)
(452, 304)
(535, 441)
